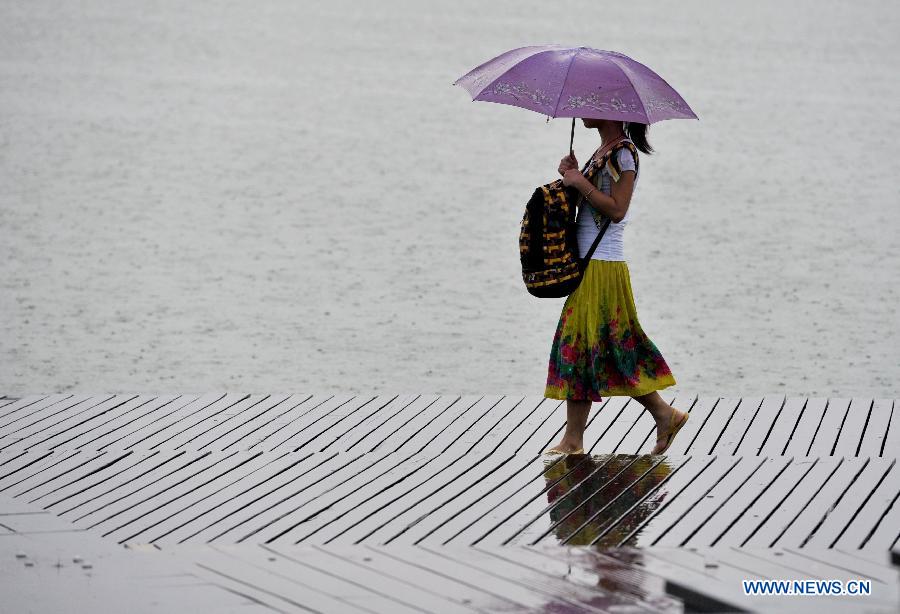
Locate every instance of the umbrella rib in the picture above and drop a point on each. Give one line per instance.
(633, 86)
(563, 87)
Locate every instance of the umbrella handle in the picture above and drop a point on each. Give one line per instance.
(572, 139)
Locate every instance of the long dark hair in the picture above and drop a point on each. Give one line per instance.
(638, 134)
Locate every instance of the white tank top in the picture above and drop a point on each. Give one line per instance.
(610, 247)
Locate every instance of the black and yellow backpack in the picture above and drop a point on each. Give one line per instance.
(548, 246)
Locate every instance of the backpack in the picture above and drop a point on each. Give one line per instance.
(548, 244)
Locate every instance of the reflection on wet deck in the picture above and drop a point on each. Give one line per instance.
(416, 473)
(588, 497)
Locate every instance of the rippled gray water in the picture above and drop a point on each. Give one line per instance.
(291, 196)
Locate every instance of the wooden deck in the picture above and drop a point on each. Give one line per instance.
(338, 503)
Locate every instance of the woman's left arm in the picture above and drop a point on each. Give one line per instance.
(615, 206)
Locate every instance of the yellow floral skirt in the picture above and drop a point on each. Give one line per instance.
(599, 347)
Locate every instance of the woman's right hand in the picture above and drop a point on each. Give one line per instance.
(567, 163)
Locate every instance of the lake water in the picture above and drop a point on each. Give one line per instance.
(291, 196)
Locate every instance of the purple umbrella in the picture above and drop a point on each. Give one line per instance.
(575, 82)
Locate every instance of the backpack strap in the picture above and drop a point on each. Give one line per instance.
(610, 157)
(613, 160)
(587, 257)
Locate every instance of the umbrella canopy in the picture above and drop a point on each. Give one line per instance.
(560, 81)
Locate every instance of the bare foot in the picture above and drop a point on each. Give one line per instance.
(670, 421)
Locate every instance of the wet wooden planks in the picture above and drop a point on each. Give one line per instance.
(334, 578)
(440, 470)
(330, 502)
(501, 497)
(55, 572)
(766, 426)
(46, 565)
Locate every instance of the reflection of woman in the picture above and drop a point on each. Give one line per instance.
(597, 492)
(599, 347)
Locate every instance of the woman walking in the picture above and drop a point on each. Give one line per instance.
(599, 347)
